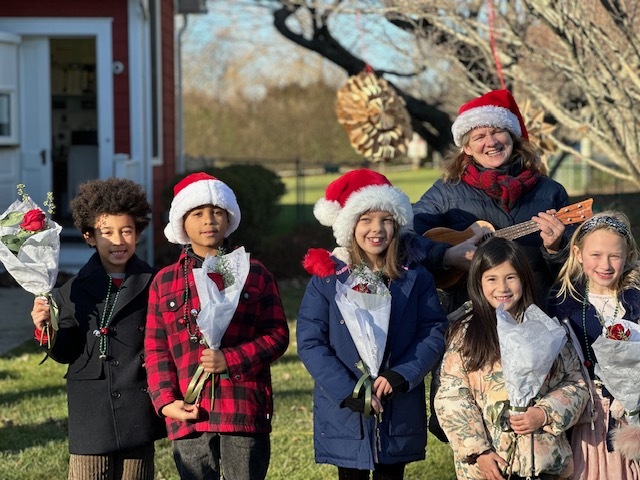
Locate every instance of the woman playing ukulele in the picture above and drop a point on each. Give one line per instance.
(494, 175)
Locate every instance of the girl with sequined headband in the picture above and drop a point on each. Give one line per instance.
(112, 424)
(221, 428)
(599, 284)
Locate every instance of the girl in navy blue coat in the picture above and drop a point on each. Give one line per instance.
(368, 415)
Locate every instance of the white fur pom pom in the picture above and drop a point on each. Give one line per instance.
(626, 441)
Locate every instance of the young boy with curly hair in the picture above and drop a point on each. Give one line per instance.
(225, 427)
(112, 424)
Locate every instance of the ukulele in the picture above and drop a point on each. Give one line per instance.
(576, 213)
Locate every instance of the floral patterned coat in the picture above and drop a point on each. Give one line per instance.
(468, 407)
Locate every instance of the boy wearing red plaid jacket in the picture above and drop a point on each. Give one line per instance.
(230, 432)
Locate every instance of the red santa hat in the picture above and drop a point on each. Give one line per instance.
(356, 192)
(196, 190)
(497, 108)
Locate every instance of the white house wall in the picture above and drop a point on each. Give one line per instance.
(9, 153)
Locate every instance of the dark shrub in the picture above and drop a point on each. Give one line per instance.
(283, 254)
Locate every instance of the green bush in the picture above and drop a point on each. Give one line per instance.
(258, 191)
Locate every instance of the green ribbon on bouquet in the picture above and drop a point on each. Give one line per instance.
(196, 385)
(366, 382)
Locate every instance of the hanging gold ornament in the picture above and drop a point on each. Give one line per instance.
(374, 116)
(539, 131)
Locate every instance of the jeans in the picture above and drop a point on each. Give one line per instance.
(215, 456)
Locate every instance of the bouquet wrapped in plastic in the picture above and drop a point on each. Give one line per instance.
(527, 350)
(30, 251)
(365, 304)
(219, 282)
(618, 353)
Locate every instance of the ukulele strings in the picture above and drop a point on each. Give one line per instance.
(517, 231)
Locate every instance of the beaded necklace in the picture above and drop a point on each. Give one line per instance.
(103, 330)
(194, 334)
(589, 361)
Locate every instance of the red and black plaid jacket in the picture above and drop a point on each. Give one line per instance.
(256, 337)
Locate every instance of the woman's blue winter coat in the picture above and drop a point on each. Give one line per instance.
(458, 205)
(415, 345)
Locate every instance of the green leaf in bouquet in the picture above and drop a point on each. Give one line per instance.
(12, 242)
(24, 234)
(11, 219)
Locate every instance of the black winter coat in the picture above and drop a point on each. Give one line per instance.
(458, 205)
(109, 407)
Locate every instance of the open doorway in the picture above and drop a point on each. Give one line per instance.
(74, 119)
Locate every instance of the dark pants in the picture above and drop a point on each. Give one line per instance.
(212, 456)
(382, 472)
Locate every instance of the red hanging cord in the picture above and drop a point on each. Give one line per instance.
(367, 67)
(492, 40)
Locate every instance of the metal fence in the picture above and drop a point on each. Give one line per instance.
(581, 179)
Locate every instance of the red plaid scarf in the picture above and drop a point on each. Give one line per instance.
(501, 186)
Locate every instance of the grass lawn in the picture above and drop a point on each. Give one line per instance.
(33, 422)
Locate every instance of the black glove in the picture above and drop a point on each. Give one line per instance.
(355, 404)
(397, 381)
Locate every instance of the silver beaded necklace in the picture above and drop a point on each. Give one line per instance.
(103, 331)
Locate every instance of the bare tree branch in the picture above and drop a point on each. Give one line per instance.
(579, 61)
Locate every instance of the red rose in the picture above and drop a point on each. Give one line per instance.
(362, 288)
(218, 280)
(617, 332)
(33, 221)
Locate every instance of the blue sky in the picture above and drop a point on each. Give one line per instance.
(237, 37)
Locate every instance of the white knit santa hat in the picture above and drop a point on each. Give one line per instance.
(355, 193)
(196, 190)
(497, 108)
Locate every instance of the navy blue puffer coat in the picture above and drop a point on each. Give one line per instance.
(415, 345)
(458, 205)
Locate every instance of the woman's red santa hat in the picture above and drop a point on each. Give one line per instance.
(196, 190)
(497, 108)
(355, 193)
